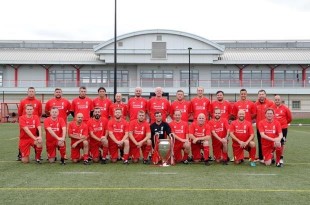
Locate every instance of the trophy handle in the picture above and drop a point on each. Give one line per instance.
(156, 156)
(172, 140)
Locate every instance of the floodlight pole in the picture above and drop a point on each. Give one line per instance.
(115, 52)
(189, 73)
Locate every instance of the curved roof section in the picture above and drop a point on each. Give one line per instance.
(161, 31)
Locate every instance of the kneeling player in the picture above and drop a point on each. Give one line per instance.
(219, 129)
(271, 133)
(242, 133)
(118, 136)
(55, 129)
(140, 138)
(179, 130)
(78, 132)
(199, 133)
(30, 135)
(98, 133)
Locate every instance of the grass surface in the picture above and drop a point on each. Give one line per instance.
(147, 184)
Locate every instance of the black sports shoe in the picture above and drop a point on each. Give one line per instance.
(279, 165)
(38, 161)
(86, 162)
(62, 161)
(185, 161)
(126, 162)
(207, 162)
(145, 161)
(225, 162)
(103, 161)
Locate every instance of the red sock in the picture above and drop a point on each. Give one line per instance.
(225, 156)
(104, 152)
(252, 153)
(85, 157)
(126, 156)
(62, 151)
(146, 151)
(206, 151)
(38, 152)
(278, 154)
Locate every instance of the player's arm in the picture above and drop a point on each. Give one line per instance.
(177, 137)
(92, 135)
(125, 136)
(75, 136)
(53, 134)
(233, 136)
(130, 134)
(147, 137)
(216, 136)
(251, 138)
(29, 133)
(113, 138)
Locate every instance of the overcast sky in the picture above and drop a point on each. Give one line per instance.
(93, 20)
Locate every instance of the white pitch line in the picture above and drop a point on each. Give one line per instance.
(159, 173)
(81, 172)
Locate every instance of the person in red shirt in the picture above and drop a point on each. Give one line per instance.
(200, 104)
(78, 132)
(246, 105)
(182, 105)
(200, 134)
(59, 102)
(55, 129)
(271, 133)
(30, 135)
(118, 105)
(242, 134)
(82, 104)
(284, 116)
(158, 104)
(179, 130)
(118, 136)
(262, 104)
(29, 100)
(140, 138)
(136, 103)
(98, 136)
(103, 102)
(219, 130)
(222, 104)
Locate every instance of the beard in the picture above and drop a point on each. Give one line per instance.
(97, 117)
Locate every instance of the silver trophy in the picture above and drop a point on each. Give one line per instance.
(164, 151)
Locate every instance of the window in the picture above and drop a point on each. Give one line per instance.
(96, 78)
(288, 78)
(159, 50)
(156, 78)
(296, 104)
(225, 78)
(62, 78)
(256, 78)
(307, 83)
(194, 78)
(1, 78)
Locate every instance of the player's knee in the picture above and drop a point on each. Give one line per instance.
(268, 162)
(85, 143)
(277, 144)
(148, 142)
(75, 160)
(206, 143)
(252, 144)
(25, 160)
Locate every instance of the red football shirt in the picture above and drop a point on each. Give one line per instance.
(104, 105)
(55, 125)
(83, 106)
(179, 128)
(283, 115)
(119, 128)
(200, 105)
(271, 129)
(184, 106)
(32, 123)
(81, 129)
(161, 105)
(135, 104)
(242, 130)
(62, 104)
(248, 107)
(199, 130)
(122, 106)
(220, 127)
(261, 109)
(98, 127)
(139, 129)
(37, 106)
(224, 106)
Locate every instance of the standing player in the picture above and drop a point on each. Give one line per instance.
(262, 104)
(30, 135)
(29, 100)
(158, 104)
(55, 129)
(182, 105)
(271, 133)
(103, 102)
(200, 134)
(200, 104)
(118, 105)
(136, 103)
(140, 138)
(78, 132)
(222, 104)
(219, 130)
(179, 130)
(62, 104)
(118, 136)
(246, 105)
(98, 133)
(241, 131)
(284, 116)
(82, 104)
